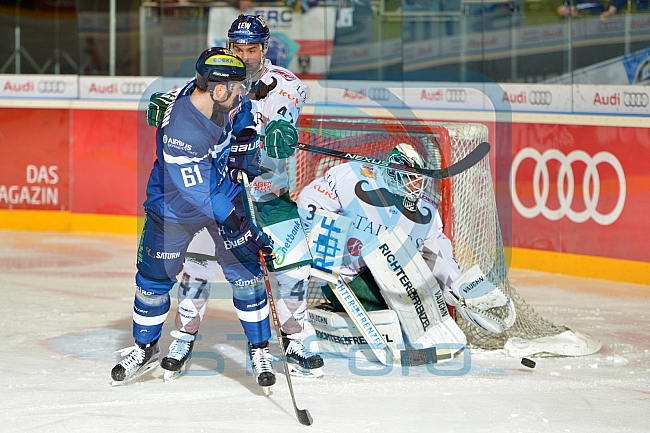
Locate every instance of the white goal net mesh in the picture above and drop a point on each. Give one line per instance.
(466, 202)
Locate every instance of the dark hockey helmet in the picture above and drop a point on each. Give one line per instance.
(249, 29)
(219, 65)
(407, 185)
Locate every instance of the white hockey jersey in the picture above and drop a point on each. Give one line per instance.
(359, 192)
(280, 95)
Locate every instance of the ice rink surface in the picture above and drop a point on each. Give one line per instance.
(66, 308)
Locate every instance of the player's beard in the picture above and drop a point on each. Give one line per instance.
(252, 65)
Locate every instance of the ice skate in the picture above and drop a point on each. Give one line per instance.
(137, 361)
(180, 351)
(263, 370)
(300, 360)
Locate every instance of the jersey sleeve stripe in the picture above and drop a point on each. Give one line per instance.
(180, 160)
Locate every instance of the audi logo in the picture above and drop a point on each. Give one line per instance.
(635, 99)
(378, 94)
(136, 88)
(590, 185)
(51, 86)
(540, 97)
(457, 96)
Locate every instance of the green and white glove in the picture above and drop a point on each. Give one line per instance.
(158, 103)
(280, 136)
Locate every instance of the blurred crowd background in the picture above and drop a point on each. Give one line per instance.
(517, 41)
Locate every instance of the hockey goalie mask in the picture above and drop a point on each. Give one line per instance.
(408, 186)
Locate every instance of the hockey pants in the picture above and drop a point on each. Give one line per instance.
(161, 253)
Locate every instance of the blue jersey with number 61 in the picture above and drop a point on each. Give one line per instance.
(189, 181)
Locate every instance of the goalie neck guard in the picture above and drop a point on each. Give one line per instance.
(408, 186)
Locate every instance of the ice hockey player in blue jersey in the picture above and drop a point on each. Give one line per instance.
(189, 189)
(277, 97)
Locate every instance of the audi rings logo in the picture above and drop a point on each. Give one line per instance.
(540, 97)
(133, 88)
(378, 94)
(636, 99)
(54, 86)
(590, 185)
(456, 96)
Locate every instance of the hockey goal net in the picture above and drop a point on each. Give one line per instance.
(466, 202)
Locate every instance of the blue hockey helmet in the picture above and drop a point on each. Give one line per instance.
(249, 29)
(219, 65)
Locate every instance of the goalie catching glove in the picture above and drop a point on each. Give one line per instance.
(280, 137)
(158, 103)
(478, 301)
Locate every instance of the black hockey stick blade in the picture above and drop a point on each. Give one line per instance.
(418, 357)
(304, 417)
(469, 161)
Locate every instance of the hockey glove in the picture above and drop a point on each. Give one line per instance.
(480, 302)
(244, 158)
(280, 136)
(246, 242)
(158, 103)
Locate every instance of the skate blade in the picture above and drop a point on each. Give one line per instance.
(135, 377)
(298, 371)
(266, 390)
(171, 376)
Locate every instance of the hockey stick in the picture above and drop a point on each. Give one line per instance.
(303, 415)
(469, 161)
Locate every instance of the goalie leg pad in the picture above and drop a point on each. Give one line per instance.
(438, 255)
(337, 334)
(411, 290)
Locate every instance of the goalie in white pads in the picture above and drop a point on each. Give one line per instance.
(397, 254)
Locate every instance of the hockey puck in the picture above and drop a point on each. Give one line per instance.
(528, 362)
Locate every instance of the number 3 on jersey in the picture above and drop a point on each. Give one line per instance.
(191, 176)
